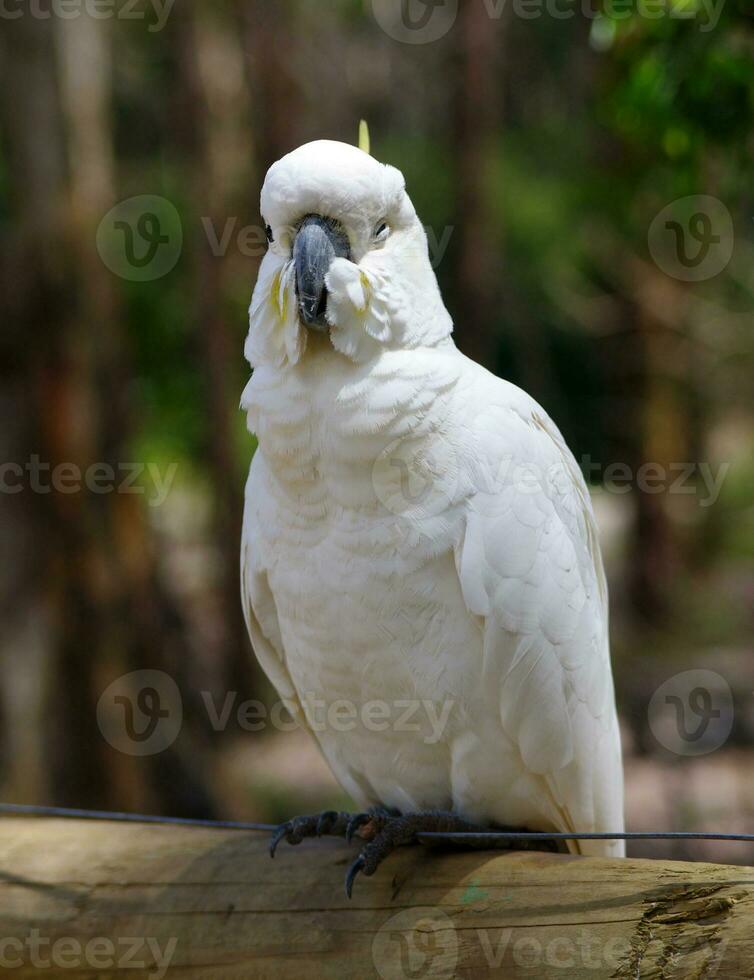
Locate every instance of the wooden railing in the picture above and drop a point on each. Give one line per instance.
(102, 900)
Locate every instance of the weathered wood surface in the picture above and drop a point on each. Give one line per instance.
(104, 900)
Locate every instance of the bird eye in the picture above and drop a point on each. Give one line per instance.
(268, 232)
(381, 231)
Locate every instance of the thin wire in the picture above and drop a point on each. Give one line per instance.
(543, 835)
(68, 813)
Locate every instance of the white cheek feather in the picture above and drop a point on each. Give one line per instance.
(357, 310)
(275, 331)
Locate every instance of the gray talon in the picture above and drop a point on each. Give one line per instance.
(357, 866)
(313, 825)
(326, 822)
(357, 820)
(279, 834)
(387, 830)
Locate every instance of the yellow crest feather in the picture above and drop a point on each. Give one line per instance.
(364, 143)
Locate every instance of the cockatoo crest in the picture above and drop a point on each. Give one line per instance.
(382, 293)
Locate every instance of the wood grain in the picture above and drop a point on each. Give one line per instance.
(103, 900)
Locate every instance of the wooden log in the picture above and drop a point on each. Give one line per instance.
(104, 900)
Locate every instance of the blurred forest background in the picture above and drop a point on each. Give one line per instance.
(538, 151)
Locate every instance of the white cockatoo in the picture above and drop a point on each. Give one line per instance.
(421, 572)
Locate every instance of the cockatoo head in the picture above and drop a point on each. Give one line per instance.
(348, 260)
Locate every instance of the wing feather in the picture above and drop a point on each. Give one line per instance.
(529, 564)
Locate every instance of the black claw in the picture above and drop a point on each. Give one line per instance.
(354, 823)
(326, 821)
(357, 866)
(279, 834)
(387, 829)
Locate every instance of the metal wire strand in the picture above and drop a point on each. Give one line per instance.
(491, 835)
(478, 837)
(69, 813)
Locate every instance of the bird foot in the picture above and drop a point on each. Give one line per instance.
(331, 823)
(383, 829)
(392, 831)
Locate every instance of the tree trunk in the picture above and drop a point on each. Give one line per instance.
(479, 261)
(88, 557)
(213, 76)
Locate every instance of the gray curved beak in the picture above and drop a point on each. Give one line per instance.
(318, 241)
